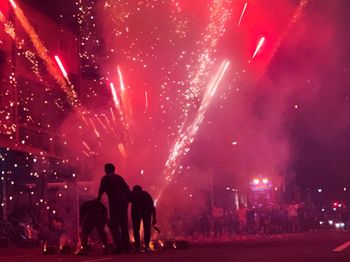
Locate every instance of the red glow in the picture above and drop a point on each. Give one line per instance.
(3, 8)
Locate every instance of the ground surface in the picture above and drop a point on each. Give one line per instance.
(313, 246)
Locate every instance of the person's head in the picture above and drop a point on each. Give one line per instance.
(109, 168)
(137, 188)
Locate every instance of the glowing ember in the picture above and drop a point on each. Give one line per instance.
(242, 14)
(258, 47)
(63, 70)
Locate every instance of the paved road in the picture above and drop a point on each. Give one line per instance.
(315, 246)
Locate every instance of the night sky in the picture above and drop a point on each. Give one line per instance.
(312, 71)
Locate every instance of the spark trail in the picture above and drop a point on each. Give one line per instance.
(126, 107)
(60, 65)
(115, 97)
(298, 12)
(219, 16)
(146, 100)
(43, 54)
(120, 110)
(182, 144)
(258, 47)
(242, 14)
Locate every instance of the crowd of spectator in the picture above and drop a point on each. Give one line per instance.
(266, 219)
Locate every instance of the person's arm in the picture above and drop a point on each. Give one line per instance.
(154, 212)
(102, 188)
(125, 186)
(154, 220)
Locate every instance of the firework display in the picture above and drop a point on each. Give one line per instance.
(149, 75)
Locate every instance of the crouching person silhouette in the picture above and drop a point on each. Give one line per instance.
(93, 214)
(142, 208)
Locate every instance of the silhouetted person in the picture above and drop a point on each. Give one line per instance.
(142, 208)
(57, 235)
(93, 214)
(204, 224)
(118, 192)
(218, 216)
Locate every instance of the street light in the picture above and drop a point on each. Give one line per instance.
(256, 181)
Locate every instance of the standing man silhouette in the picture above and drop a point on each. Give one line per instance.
(142, 208)
(118, 192)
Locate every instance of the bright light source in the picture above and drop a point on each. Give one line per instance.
(322, 209)
(13, 4)
(330, 222)
(227, 188)
(60, 65)
(321, 222)
(265, 180)
(344, 188)
(256, 181)
(243, 11)
(261, 42)
(319, 190)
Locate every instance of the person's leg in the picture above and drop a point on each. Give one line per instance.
(115, 229)
(123, 222)
(215, 227)
(136, 221)
(102, 233)
(146, 218)
(100, 227)
(86, 230)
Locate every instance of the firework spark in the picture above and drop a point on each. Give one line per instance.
(12, 2)
(63, 70)
(43, 54)
(258, 47)
(115, 97)
(124, 99)
(298, 12)
(121, 81)
(182, 144)
(242, 14)
(146, 100)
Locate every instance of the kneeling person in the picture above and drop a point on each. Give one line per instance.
(142, 208)
(93, 214)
